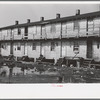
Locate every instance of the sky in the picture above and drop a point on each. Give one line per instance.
(9, 13)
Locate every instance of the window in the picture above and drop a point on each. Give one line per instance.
(53, 28)
(34, 46)
(76, 46)
(76, 25)
(4, 46)
(19, 46)
(19, 31)
(52, 46)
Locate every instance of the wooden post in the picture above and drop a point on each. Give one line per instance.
(78, 64)
(61, 42)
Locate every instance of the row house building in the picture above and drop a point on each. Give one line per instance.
(77, 35)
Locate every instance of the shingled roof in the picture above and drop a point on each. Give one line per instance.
(62, 19)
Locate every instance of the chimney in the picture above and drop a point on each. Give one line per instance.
(57, 16)
(28, 20)
(41, 18)
(16, 22)
(78, 12)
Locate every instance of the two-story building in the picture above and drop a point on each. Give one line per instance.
(77, 35)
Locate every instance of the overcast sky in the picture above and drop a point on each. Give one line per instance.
(21, 12)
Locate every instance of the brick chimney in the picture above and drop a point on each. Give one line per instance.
(28, 20)
(41, 18)
(57, 16)
(16, 22)
(78, 12)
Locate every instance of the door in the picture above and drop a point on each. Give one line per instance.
(11, 48)
(89, 48)
(26, 33)
(25, 49)
(43, 50)
(0, 48)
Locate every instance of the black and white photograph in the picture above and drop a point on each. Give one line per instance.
(49, 43)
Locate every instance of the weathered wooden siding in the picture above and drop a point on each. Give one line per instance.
(64, 29)
(18, 53)
(4, 34)
(97, 26)
(83, 26)
(34, 53)
(58, 30)
(38, 34)
(30, 32)
(67, 48)
(5, 49)
(15, 33)
(34, 32)
(53, 34)
(70, 26)
(96, 50)
(46, 50)
(48, 30)
(90, 26)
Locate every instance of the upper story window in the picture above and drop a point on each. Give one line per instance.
(19, 31)
(76, 25)
(34, 46)
(52, 46)
(53, 27)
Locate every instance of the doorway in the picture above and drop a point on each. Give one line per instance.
(25, 49)
(11, 48)
(89, 48)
